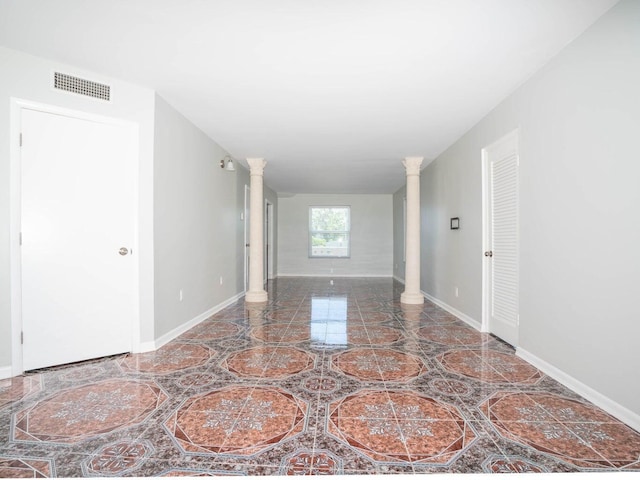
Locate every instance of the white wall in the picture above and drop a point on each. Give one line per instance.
(579, 120)
(195, 220)
(451, 187)
(29, 78)
(371, 236)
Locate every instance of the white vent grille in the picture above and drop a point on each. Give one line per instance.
(81, 86)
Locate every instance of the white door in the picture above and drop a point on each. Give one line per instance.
(268, 240)
(78, 215)
(247, 198)
(501, 238)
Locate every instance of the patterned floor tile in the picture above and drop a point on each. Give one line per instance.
(399, 426)
(281, 333)
(573, 431)
(78, 413)
(377, 364)
(455, 388)
(170, 358)
(512, 464)
(372, 335)
(26, 468)
(327, 378)
(311, 462)
(489, 366)
(269, 362)
(320, 384)
(17, 388)
(117, 458)
(237, 420)
(452, 335)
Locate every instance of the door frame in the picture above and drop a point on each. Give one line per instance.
(486, 229)
(17, 105)
(247, 201)
(268, 244)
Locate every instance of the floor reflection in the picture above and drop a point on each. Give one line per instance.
(329, 320)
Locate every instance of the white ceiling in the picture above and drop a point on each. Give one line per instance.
(332, 93)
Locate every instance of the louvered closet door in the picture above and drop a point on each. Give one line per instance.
(501, 257)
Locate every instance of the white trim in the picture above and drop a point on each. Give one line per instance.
(6, 372)
(270, 240)
(334, 275)
(486, 241)
(462, 316)
(144, 347)
(401, 280)
(245, 249)
(610, 406)
(15, 200)
(179, 330)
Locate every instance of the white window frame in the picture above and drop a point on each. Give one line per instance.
(347, 232)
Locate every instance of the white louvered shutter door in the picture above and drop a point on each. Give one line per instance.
(504, 241)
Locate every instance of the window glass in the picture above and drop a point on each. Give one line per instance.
(329, 231)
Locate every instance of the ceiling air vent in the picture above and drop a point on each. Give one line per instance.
(81, 86)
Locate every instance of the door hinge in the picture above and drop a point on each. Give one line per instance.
(20, 138)
(20, 238)
(21, 338)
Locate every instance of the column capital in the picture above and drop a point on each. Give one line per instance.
(256, 165)
(412, 165)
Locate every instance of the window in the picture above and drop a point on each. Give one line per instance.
(329, 229)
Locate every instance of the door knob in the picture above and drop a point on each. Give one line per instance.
(123, 251)
(488, 254)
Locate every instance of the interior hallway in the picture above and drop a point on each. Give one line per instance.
(330, 377)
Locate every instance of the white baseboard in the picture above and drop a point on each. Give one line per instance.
(462, 316)
(401, 280)
(176, 332)
(145, 347)
(621, 413)
(331, 275)
(6, 372)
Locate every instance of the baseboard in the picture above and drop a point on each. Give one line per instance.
(6, 372)
(331, 275)
(176, 332)
(621, 413)
(462, 316)
(398, 279)
(145, 347)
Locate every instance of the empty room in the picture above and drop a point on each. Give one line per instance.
(285, 237)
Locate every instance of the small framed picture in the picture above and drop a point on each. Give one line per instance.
(455, 223)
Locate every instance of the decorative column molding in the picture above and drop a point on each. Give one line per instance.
(411, 294)
(256, 291)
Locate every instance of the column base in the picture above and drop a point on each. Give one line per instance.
(256, 296)
(412, 298)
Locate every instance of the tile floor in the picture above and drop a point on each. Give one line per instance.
(324, 379)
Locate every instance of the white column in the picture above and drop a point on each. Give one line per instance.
(256, 291)
(411, 294)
